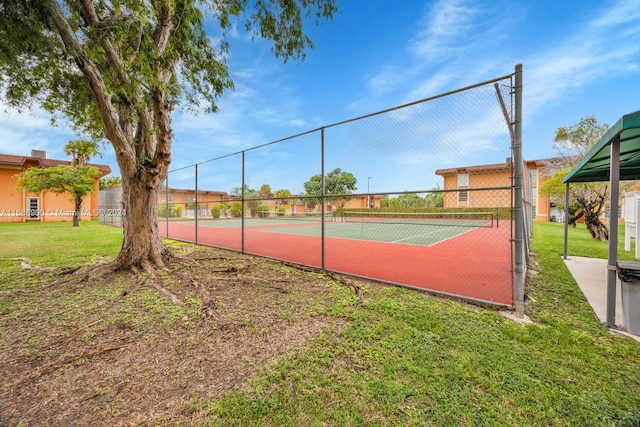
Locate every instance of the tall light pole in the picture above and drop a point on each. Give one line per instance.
(368, 195)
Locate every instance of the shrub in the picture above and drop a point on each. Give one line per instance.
(215, 211)
(235, 210)
(263, 210)
(280, 211)
(175, 210)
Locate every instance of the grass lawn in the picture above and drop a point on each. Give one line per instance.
(303, 349)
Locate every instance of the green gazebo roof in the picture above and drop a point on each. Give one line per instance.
(595, 166)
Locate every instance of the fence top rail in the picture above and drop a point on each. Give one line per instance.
(398, 107)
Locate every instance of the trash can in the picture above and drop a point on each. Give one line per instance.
(629, 274)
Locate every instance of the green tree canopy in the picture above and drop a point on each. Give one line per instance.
(237, 191)
(265, 191)
(117, 68)
(338, 184)
(81, 151)
(587, 200)
(110, 182)
(575, 141)
(283, 196)
(78, 181)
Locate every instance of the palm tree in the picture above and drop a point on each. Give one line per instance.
(81, 152)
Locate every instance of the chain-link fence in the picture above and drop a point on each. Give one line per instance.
(110, 209)
(421, 195)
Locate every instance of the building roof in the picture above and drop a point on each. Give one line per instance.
(490, 167)
(9, 159)
(191, 190)
(596, 164)
(475, 169)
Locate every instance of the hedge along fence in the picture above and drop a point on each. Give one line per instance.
(501, 212)
(171, 210)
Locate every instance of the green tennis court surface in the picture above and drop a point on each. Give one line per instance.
(407, 234)
(410, 231)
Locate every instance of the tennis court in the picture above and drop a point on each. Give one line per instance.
(389, 162)
(412, 228)
(467, 256)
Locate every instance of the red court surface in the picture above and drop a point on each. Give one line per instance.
(475, 265)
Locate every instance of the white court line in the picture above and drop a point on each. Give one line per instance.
(434, 243)
(276, 230)
(414, 236)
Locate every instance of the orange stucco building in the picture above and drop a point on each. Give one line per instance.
(21, 206)
(489, 186)
(297, 203)
(186, 196)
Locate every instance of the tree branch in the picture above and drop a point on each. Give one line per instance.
(116, 63)
(96, 83)
(164, 27)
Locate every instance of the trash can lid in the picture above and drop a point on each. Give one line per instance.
(629, 265)
(629, 271)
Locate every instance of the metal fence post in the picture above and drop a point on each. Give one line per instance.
(242, 202)
(322, 198)
(566, 222)
(196, 206)
(518, 192)
(166, 219)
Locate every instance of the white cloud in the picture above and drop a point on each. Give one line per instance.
(22, 132)
(597, 51)
(383, 80)
(443, 26)
(619, 13)
(441, 52)
(431, 86)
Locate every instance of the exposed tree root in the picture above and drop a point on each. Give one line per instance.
(25, 264)
(76, 333)
(338, 278)
(165, 292)
(147, 276)
(60, 271)
(208, 307)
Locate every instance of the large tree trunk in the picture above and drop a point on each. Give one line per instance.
(591, 209)
(597, 229)
(142, 247)
(78, 207)
(136, 121)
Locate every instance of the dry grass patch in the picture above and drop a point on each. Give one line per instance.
(116, 351)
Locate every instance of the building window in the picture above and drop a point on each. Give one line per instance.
(463, 182)
(170, 199)
(188, 198)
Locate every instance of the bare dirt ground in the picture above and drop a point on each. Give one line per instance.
(121, 350)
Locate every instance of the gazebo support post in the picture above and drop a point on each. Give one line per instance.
(566, 222)
(612, 263)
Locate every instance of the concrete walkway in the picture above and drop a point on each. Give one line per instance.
(591, 275)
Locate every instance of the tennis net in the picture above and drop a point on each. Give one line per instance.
(303, 216)
(453, 219)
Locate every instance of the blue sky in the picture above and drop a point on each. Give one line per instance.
(580, 58)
